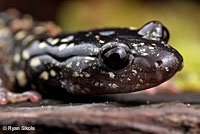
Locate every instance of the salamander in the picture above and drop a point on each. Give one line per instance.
(36, 61)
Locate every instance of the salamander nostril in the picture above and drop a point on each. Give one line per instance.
(158, 63)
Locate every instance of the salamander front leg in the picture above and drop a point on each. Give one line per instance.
(7, 96)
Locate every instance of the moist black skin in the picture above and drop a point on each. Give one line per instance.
(99, 61)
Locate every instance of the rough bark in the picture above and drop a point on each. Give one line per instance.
(120, 117)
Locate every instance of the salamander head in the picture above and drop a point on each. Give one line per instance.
(131, 60)
(102, 61)
(135, 60)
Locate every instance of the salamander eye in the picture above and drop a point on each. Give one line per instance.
(116, 58)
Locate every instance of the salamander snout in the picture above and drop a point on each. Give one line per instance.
(168, 63)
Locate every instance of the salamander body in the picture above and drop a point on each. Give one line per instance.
(100, 61)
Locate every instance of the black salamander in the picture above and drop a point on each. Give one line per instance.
(100, 61)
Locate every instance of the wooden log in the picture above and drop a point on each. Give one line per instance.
(100, 118)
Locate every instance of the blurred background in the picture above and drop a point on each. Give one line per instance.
(182, 18)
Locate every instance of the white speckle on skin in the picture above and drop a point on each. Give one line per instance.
(71, 45)
(35, 62)
(77, 63)
(128, 79)
(49, 40)
(142, 50)
(141, 80)
(144, 54)
(25, 55)
(167, 45)
(42, 45)
(75, 74)
(90, 64)
(21, 78)
(16, 58)
(101, 84)
(142, 43)
(137, 85)
(151, 48)
(53, 73)
(63, 84)
(113, 85)
(80, 70)
(69, 65)
(154, 33)
(154, 38)
(67, 39)
(89, 58)
(62, 47)
(101, 41)
(86, 61)
(135, 45)
(153, 44)
(167, 69)
(134, 72)
(86, 74)
(96, 84)
(107, 33)
(44, 75)
(123, 75)
(57, 64)
(111, 74)
(162, 42)
(54, 41)
(90, 48)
